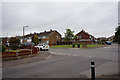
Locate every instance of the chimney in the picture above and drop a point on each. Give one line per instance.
(50, 29)
(83, 30)
(44, 31)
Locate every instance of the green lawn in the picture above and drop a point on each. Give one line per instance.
(61, 46)
(94, 45)
(70, 46)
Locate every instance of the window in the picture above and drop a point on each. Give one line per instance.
(43, 37)
(39, 37)
(57, 37)
(47, 42)
(80, 37)
(91, 37)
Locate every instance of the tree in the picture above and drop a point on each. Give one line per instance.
(69, 35)
(103, 40)
(14, 42)
(35, 39)
(75, 37)
(2, 48)
(117, 35)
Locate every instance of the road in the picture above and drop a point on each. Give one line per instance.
(68, 63)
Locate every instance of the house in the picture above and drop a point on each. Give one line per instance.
(50, 37)
(111, 38)
(5, 40)
(28, 37)
(84, 37)
(101, 39)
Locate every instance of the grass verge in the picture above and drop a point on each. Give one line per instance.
(70, 46)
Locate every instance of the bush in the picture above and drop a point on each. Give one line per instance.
(2, 48)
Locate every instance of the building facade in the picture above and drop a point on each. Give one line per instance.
(50, 37)
(84, 37)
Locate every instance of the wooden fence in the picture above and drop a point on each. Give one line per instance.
(8, 54)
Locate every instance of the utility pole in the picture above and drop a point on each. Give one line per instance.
(24, 33)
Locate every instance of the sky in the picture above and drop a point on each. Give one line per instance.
(97, 18)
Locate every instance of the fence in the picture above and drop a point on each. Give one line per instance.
(8, 54)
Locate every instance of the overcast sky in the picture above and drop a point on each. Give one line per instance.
(97, 18)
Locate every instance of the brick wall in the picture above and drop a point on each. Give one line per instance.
(53, 38)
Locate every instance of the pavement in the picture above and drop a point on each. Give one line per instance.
(66, 63)
(40, 56)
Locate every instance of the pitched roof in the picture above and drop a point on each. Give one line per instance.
(45, 33)
(84, 32)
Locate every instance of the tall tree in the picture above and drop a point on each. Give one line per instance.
(14, 42)
(117, 35)
(69, 35)
(35, 39)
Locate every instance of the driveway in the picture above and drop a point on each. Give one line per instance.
(68, 63)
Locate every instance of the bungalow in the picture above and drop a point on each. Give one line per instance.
(84, 37)
(50, 37)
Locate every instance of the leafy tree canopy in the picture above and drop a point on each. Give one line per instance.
(69, 35)
(117, 35)
(14, 41)
(35, 39)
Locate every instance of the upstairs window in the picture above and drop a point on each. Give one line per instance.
(44, 37)
(80, 37)
(57, 37)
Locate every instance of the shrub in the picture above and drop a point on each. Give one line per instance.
(2, 48)
(14, 42)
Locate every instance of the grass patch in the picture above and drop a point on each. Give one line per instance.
(94, 45)
(70, 46)
(15, 50)
(61, 46)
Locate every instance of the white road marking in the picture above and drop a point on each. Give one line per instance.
(63, 54)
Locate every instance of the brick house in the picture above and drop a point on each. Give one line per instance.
(84, 37)
(4, 40)
(50, 37)
(111, 38)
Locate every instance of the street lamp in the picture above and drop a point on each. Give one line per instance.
(23, 33)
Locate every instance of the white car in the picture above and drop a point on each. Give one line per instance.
(43, 47)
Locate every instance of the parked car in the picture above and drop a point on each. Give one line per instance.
(108, 42)
(43, 47)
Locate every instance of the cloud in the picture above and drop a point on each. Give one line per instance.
(97, 18)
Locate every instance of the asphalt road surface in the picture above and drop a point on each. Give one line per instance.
(66, 63)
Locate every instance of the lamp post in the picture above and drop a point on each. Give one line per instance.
(23, 33)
